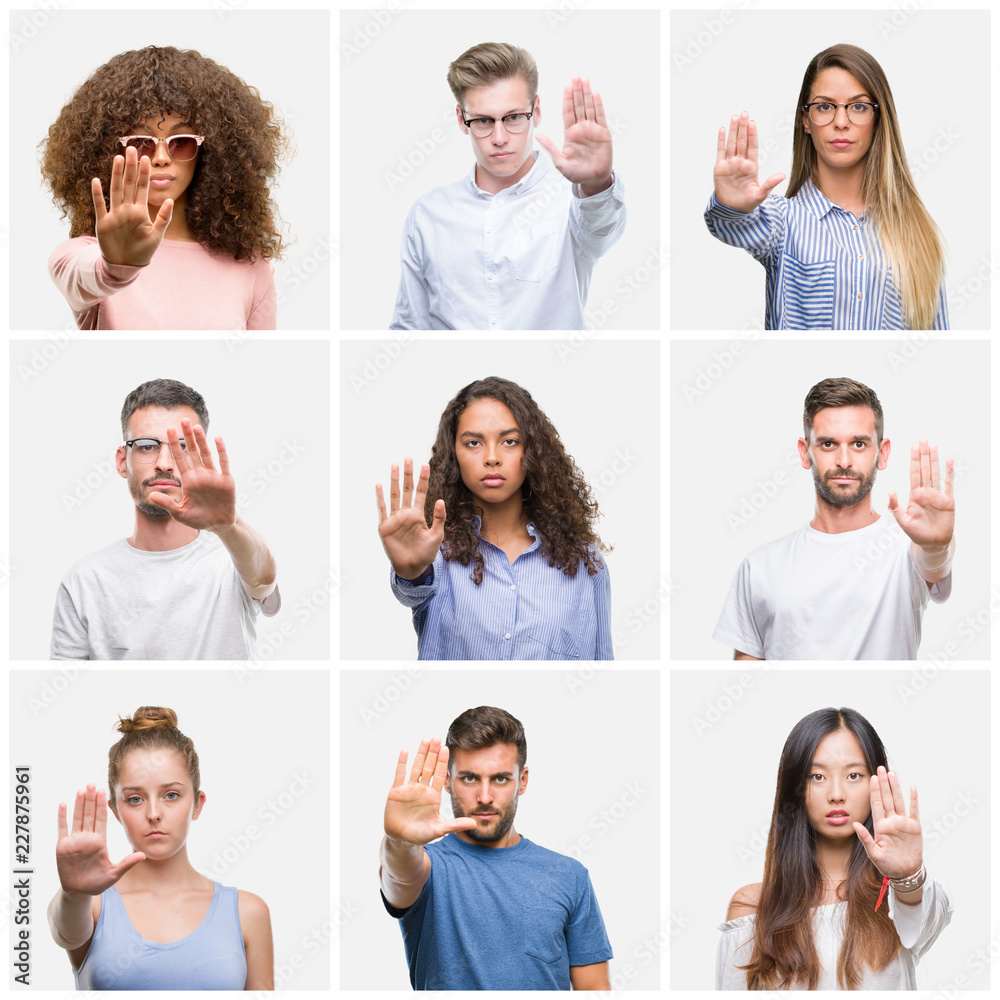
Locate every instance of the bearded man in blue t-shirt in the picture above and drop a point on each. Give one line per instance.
(484, 908)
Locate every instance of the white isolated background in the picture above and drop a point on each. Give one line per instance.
(267, 49)
(746, 413)
(602, 396)
(270, 402)
(754, 62)
(937, 737)
(593, 773)
(263, 745)
(397, 115)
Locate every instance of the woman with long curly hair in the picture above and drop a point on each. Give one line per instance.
(192, 150)
(846, 902)
(497, 552)
(152, 922)
(851, 245)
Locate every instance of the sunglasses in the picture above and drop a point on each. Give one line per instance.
(179, 147)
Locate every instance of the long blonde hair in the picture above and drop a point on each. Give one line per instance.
(910, 239)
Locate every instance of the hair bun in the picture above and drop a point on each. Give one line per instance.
(148, 717)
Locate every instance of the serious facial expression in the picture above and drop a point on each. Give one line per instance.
(485, 784)
(489, 449)
(841, 144)
(502, 158)
(155, 802)
(169, 178)
(844, 454)
(159, 475)
(838, 793)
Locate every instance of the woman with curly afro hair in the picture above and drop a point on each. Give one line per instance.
(192, 150)
(496, 553)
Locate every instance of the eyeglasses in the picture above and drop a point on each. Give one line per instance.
(513, 123)
(146, 450)
(823, 112)
(179, 147)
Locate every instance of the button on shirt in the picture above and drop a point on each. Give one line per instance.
(825, 268)
(525, 610)
(521, 259)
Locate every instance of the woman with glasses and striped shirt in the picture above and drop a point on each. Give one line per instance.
(192, 150)
(851, 245)
(497, 553)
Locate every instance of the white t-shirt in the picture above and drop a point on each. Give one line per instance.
(122, 603)
(855, 595)
(917, 926)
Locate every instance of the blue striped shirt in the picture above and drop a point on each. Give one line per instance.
(824, 264)
(525, 610)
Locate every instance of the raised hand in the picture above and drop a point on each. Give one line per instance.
(208, 495)
(82, 853)
(735, 172)
(413, 808)
(929, 515)
(124, 232)
(585, 158)
(896, 850)
(410, 545)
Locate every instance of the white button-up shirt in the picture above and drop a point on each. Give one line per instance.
(520, 259)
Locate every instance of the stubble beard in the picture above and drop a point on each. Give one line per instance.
(143, 503)
(502, 828)
(840, 499)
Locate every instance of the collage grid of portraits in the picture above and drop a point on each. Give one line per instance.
(656, 771)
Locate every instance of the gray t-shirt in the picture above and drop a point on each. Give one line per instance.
(122, 603)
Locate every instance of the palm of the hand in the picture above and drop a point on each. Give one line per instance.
(413, 813)
(898, 839)
(407, 538)
(83, 863)
(586, 152)
(929, 517)
(738, 175)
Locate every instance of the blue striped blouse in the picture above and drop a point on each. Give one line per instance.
(525, 610)
(824, 264)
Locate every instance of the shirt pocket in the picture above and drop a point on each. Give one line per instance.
(559, 642)
(535, 252)
(808, 292)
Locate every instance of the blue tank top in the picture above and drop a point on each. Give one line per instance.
(211, 957)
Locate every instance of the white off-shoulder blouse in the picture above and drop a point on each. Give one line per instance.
(918, 927)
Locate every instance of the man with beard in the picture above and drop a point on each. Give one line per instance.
(849, 585)
(190, 579)
(484, 908)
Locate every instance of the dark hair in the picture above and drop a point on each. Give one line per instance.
(555, 496)
(783, 948)
(228, 206)
(151, 727)
(479, 728)
(832, 392)
(165, 392)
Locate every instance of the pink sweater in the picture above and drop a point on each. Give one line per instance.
(184, 287)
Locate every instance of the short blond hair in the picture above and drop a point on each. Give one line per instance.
(489, 62)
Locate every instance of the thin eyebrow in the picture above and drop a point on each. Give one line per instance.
(823, 97)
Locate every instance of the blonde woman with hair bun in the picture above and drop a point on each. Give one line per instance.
(850, 246)
(151, 921)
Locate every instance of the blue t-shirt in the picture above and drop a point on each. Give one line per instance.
(504, 918)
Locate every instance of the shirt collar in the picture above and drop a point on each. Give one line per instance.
(534, 176)
(816, 202)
